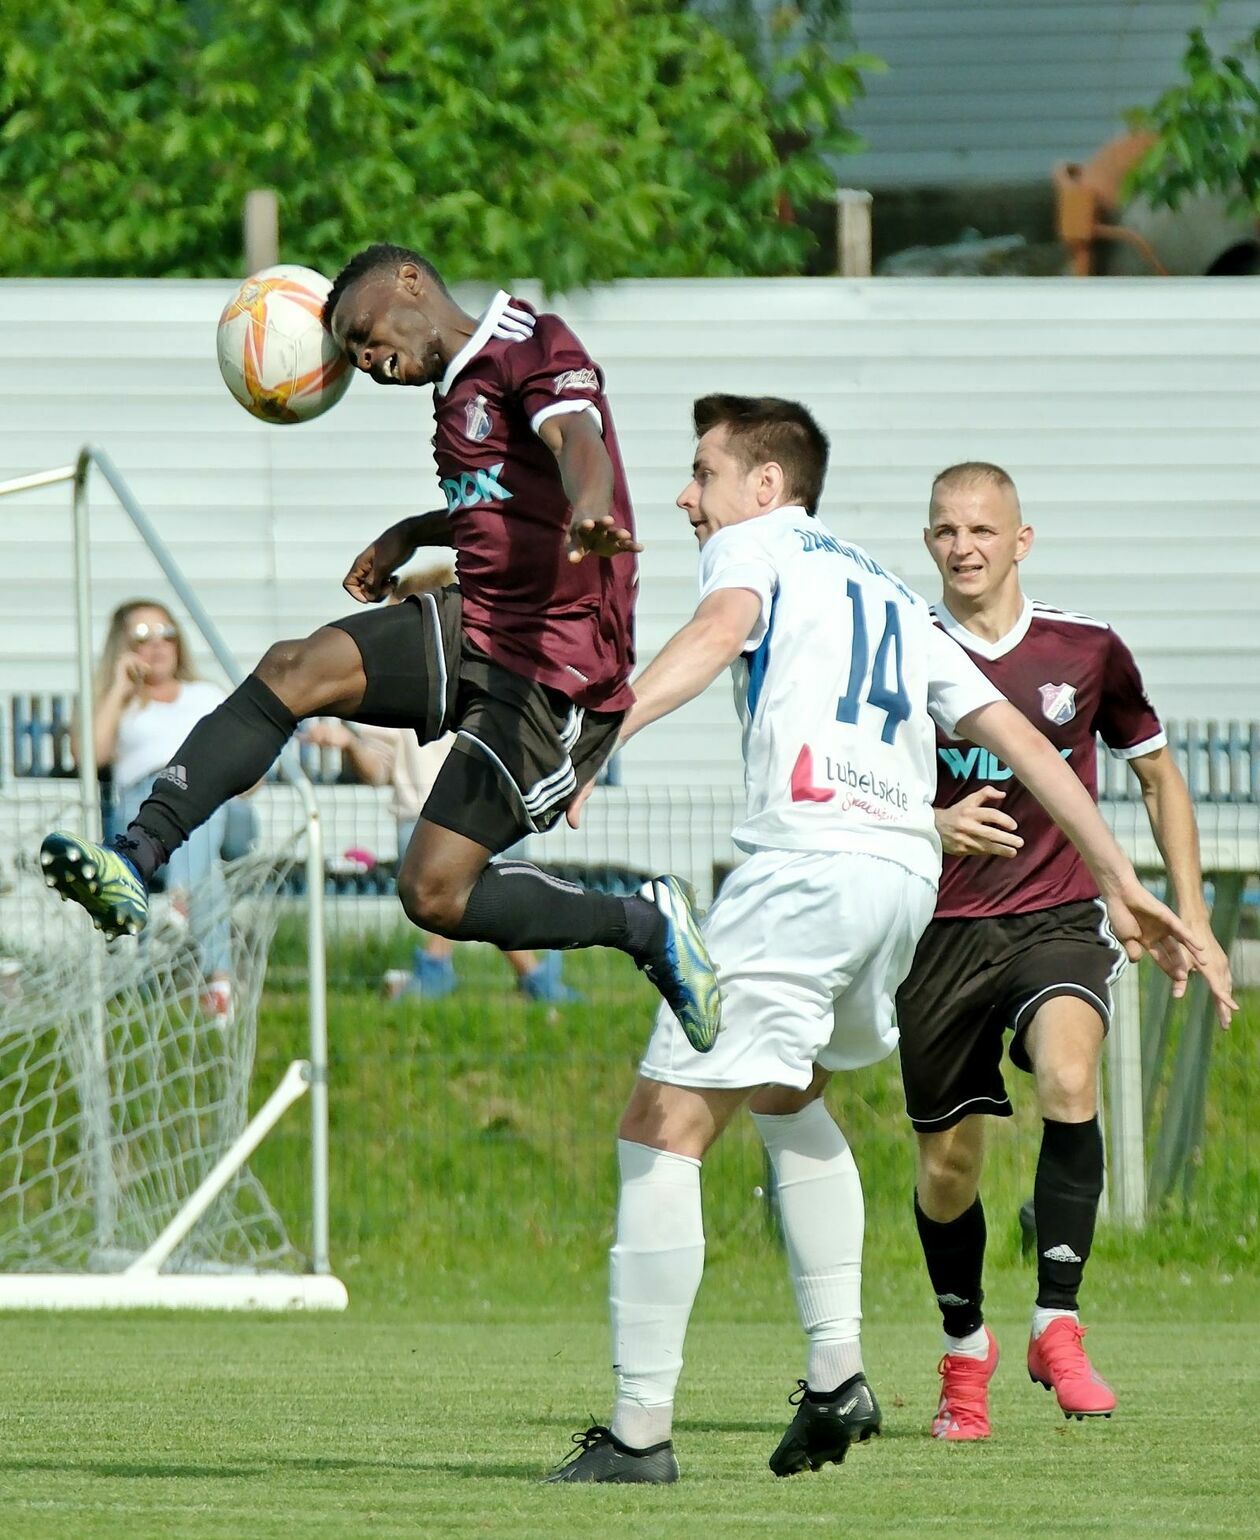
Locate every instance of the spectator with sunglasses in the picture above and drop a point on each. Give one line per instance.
(146, 698)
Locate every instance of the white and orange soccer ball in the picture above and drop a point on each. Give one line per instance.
(274, 353)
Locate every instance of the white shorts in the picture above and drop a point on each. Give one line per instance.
(809, 949)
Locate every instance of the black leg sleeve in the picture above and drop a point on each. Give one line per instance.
(1065, 1198)
(225, 754)
(954, 1253)
(518, 907)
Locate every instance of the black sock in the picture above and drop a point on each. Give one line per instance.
(225, 754)
(955, 1264)
(1065, 1201)
(519, 908)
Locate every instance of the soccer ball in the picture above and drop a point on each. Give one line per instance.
(274, 353)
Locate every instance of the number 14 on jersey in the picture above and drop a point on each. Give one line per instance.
(879, 684)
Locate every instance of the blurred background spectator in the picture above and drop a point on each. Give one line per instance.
(147, 697)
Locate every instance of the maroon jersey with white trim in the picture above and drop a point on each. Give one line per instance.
(567, 625)
(1073, 678)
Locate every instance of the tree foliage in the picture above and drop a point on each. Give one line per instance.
(1207, 128)
(574, 142)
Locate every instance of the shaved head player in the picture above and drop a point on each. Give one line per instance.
(1020, 944)
(527, 660)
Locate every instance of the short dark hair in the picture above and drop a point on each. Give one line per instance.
(765, 428)
(970, 473)
(373, 259)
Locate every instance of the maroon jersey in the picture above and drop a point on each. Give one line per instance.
(568, 625)
(1072, 677)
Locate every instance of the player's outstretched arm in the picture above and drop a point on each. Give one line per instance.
(693, 657)
(687, 664)
(1139, 920)
(587, 474)
(373, 573)
(1171, 812)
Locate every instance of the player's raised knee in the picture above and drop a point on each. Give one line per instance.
(431, 903)
(284, 664)
(313, 673)
(1068, 1089)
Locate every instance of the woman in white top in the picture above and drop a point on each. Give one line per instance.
(146, 699)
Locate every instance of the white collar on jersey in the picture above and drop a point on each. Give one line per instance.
(500, 319)
(977, 644)
(785, 513)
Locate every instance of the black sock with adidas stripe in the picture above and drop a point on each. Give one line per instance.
(225, 754)
(1065, 1201)
(519, 908)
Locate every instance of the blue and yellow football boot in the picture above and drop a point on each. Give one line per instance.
(681, 967)
(104, 882)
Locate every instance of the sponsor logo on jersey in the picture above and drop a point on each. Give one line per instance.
(1058, 702)
(471, 488)
(804, 788)
(866, 791)
(979, 764)
(478, 423)
(576, 379)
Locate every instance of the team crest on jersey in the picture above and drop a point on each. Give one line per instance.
(1058, 702)
(477, 420)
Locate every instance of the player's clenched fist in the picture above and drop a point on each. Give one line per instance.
(373, 574)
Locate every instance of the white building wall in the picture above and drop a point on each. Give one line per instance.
(1128, 414)
(1000, 90)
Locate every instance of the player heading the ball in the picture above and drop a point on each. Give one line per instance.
(527, 660)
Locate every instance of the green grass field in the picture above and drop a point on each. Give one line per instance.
(473, 1183)
(384, 1424)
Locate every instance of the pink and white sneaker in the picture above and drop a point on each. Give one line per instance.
(1058, 1361)
(963, 1413)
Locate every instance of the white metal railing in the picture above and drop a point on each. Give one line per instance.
(317, 1075)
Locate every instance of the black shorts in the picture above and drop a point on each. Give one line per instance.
(522, 748)
(973, 980)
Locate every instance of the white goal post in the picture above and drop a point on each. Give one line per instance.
(124, 1126)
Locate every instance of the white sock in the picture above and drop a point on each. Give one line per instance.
(820, 1205)
(1042, 1318)
(655, 1268)
(974, 1345)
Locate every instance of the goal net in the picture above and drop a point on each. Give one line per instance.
(124, 1092)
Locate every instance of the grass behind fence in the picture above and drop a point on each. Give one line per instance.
(473, 1136)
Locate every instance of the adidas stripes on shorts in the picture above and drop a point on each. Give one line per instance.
(521, 750)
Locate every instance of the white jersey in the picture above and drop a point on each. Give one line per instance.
(840, 689)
